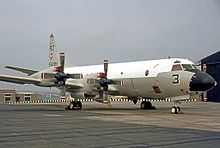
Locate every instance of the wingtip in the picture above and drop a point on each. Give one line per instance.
(7, 66)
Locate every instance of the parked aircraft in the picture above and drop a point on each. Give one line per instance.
(173, 78)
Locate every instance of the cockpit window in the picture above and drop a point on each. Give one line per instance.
(194, 66)
(187, 66)
(183, 67)
(176, 67)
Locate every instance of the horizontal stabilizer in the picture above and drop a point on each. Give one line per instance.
(29, 72)
(19, 80)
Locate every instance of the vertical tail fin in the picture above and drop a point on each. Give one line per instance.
(53, 53)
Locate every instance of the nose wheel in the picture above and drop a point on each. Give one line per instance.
(175, 109)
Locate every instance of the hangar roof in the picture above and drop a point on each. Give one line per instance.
(212, 59)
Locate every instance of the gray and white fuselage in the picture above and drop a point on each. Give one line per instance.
(164, 78)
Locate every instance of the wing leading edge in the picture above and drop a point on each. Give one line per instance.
(19, 80)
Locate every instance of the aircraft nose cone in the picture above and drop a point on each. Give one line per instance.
(201, 81)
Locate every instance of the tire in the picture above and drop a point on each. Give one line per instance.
(173, 110)
(148, 105)
(79, 104)
(178, 109)
(72, 105)
(143, 105)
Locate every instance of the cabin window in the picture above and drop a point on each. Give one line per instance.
(146, 72)
(176, 67)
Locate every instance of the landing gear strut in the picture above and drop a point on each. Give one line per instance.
(75, 105)
(175, 109)
(135, 101)
(146, 105)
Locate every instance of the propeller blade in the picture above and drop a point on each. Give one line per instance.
(62, 92)
(105, 68)
(62, 61)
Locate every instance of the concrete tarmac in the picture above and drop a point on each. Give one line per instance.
(122, 125)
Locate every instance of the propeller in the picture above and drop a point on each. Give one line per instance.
(61, 77)
(98, 80)
(104, 82)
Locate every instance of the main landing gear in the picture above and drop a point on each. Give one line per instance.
(146, 105)
(175, 109)
(75, 105)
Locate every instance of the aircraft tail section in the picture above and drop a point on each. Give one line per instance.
(53, 53)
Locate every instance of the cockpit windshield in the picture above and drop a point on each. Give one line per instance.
(183, 67)
(177, 67)
(194, 66)
(187, 66)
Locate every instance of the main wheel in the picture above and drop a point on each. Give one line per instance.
(178, 110)
(143, 105)
(78, 105)
(148, 105)
(72, 105)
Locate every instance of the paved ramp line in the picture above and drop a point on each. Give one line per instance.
(53, 115)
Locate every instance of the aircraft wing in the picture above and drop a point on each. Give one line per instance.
(19, 80)
(29, 72)
(71, 85)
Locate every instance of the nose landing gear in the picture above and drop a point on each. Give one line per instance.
(175, 109)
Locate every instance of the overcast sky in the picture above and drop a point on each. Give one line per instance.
(90, 31)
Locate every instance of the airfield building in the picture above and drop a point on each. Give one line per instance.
(211, 65)
(10, 95)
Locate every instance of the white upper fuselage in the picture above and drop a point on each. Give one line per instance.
(130, 69)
